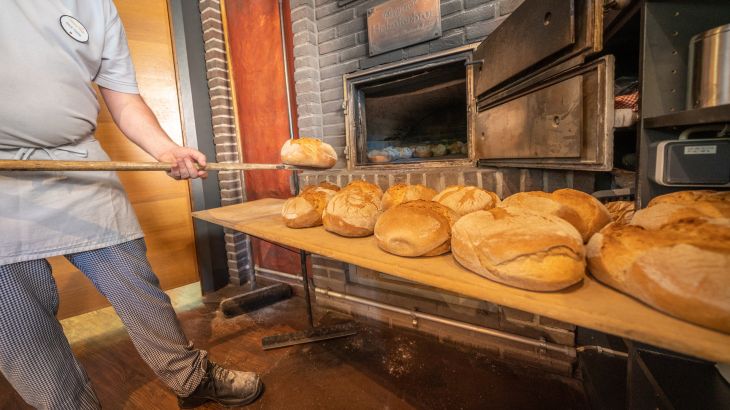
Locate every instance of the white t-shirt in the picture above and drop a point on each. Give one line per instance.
(51, 51)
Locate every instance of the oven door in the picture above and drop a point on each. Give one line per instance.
(542, 98)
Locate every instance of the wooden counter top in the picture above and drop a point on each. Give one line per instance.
(588, 304)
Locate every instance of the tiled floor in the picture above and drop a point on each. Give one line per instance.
(380, 368)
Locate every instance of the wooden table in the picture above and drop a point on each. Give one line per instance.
(588, 304)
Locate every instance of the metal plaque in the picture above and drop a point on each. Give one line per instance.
(400, 23)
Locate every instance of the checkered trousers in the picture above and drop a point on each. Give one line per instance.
(35, 355)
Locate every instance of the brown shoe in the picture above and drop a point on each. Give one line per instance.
(227, 387)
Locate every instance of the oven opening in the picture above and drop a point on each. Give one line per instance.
(411, 117)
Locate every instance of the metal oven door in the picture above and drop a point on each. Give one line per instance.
(539, 104)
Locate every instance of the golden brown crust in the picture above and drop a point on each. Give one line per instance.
(669, 208)
(621, 211)
(466, 199)
(305, 210)
(353, 211)
(308, 152)
(415, 228)
(401, 193)
(593, 214)
(682, 268)
(519, 247)
(323, 184)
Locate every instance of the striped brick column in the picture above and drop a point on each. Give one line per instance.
(238, 248)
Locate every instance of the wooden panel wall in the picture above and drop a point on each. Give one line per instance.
(256, 62)
(161, 203)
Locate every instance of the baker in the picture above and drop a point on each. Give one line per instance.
(52, 52)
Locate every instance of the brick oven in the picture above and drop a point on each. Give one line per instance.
(336, 88)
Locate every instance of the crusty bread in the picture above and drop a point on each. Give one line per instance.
(466, 199)
(416, 228)
(682, 268)
(621, 211)
(400, 193)
(669, 208)
(323, 184)
(583, 211)
(690, 197)
(308, 152)
(305, 210)
(519, 247)
(353, 211)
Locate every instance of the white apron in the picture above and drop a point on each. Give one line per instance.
(46, 214)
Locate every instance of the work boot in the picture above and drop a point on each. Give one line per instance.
(227, 387)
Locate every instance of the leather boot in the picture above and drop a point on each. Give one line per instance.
(227, 387)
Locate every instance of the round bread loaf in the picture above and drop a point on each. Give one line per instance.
(323, 184)
(520, 248)
(308, 152)
(466, 199)
(669, 208)
(584, 212)
(305, 210)
(353, 211)
(593, 214)
(682, 268)
(401, 193)
(621, 211)
(416, 228)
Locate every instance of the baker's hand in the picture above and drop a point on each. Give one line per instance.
(184, 160)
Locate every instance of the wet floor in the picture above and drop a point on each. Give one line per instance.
(379, 368)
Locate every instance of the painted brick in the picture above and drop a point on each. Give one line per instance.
(417, 50)
(309, 120)
(334, 130)
(304, 37)
(330, 83)
(470, 4)
(351, 53)
(350, 27)
(508, 6)
(332, 106)
(451, 41)
(362, 37)
(326, 10)
(304, 12)
(510, 181)
(337, 44)
(388, 57)
(303, 25)
(328, 60)
(305, 50)
(338, 70)
(450, 7)
(467, 17)
(331, 95)
(296, 3)
(326, 35)
(335, 19)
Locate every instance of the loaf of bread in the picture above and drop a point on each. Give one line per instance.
(676, 206)
(323, 184)
(308, 152)
(583, 211)
(682, 268)
(621, 211)
(520, 248)
(401, 193)
(353, 211)
(305, 210)
(466, 199)
(416, 228)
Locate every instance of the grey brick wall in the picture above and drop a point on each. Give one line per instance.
(224, 135)
(330, 41)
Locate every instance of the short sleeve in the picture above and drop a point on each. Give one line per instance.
(116, 71)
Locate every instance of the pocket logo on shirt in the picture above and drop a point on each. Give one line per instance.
(74, 28)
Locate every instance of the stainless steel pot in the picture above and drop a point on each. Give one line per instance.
(709, 68)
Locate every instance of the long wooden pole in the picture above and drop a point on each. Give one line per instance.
(32, 165)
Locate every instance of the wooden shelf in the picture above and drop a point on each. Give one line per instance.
(700, 116)
(588, 304)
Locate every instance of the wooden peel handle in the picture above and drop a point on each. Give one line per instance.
(32, 165)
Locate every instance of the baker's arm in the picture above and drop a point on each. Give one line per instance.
(139, 124)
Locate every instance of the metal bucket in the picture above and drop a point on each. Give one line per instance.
(709, 68)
